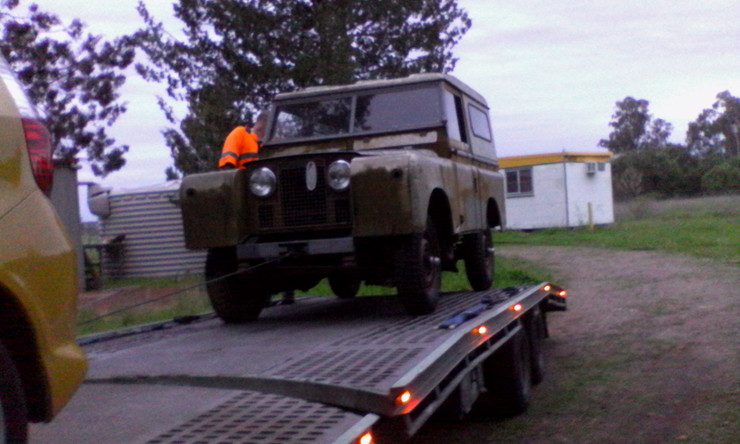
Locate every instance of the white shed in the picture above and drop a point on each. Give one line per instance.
(558, 190)
(145, 228)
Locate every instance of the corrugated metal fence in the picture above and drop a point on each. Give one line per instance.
(152, 244)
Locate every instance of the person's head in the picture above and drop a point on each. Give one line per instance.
(260, 125)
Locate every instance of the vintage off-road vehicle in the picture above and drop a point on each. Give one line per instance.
(388, 182)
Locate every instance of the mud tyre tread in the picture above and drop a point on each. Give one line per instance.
(418, 271)
(479, 260)
(234, 299)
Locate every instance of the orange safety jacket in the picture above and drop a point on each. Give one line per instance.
(239, 148)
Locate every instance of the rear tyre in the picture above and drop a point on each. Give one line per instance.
(534, 323)
(13, 418)
(234, 298)
(479, 259)
(344, 286)
(508, 378)
(418, 271)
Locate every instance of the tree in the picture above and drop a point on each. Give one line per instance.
(237, 54)
(717, 130)
(635, 129)
(72, 78)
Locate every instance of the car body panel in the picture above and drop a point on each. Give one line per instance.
(38, 285)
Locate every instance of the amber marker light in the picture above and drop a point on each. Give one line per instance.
(481, 330)
(516, 307)
(547, 287)
(367, 438)
(404, 397)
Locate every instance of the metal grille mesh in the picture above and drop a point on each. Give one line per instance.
(256, 418)
(266, 215)
(302, 206)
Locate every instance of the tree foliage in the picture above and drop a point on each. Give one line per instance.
(647, 163)
(717, 129)
(236, 54)
(73, 79)
(634, 128)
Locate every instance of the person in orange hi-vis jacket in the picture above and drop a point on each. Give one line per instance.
(242, 146)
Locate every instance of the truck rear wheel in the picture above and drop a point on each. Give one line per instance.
(13, 419)
(508, 378)
(234, 298)
(479, 259)
(343, 285)
(418, 271)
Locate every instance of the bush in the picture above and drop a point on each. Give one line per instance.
(724, 177)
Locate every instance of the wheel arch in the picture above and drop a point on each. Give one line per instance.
(441, 212)
(494, 216)
(18, 337)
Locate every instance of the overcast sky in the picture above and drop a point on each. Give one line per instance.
(550, 70)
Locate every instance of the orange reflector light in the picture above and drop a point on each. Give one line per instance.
(562, 293)
(404, 397)
(367, 438)
(481, 330)
(547, 287)
(516, 307)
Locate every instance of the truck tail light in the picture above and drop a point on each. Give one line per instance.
(366, 438)
(40, 150)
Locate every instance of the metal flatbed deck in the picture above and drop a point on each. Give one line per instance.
(322, 370)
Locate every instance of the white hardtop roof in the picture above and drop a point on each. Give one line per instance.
(372, 84)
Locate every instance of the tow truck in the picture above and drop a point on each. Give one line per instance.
(324, 370)
(384, 182)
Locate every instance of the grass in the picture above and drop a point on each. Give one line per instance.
(704, 227)
(509, 272)
(169, 298)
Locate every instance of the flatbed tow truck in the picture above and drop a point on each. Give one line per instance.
(326, 370)
(388, 183)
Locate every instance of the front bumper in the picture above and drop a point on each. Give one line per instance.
(313, 247)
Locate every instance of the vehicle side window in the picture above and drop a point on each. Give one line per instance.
(519, 182)
(479, 123)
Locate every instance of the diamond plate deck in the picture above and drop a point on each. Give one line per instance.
(257, 418)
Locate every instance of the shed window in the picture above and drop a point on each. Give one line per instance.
(519, 182)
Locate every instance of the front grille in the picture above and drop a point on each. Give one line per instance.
(294, 205)
(302, 206)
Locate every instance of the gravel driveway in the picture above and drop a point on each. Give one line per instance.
(649, 352)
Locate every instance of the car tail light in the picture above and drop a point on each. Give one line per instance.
(39, 145)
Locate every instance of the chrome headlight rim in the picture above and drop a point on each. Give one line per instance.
(262, 182)
(338, 175)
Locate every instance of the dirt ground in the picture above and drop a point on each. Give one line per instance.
(648, 352)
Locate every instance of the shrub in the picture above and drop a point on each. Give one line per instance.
(723, 177)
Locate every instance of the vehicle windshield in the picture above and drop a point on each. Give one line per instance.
(362, 113)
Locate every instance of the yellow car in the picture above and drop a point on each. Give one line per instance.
(40, 363)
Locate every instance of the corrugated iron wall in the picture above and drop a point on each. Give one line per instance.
(154, 244)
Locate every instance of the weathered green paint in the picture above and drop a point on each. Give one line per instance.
(393, 177)
(213, 208)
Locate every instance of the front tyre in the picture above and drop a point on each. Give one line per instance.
(418, 271)
(13, 419)
(344, 285)
(479, 259)
(233, 297)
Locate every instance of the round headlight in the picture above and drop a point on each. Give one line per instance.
(262, 182)
(338, 175)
